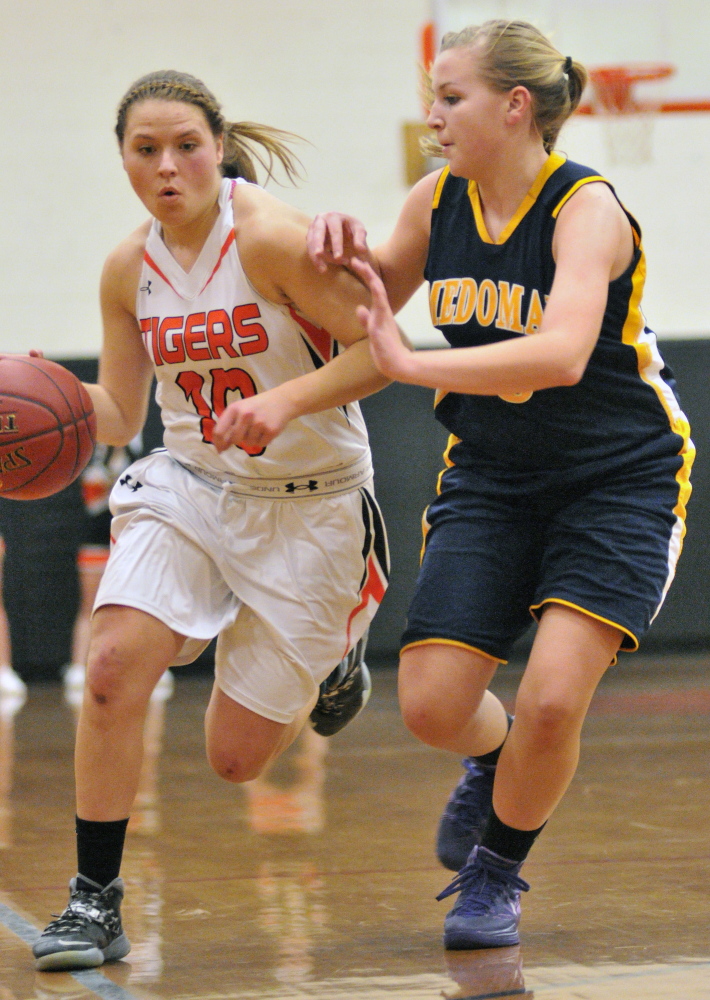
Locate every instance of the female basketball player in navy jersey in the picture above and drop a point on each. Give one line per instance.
(567, 467)
(257, 523)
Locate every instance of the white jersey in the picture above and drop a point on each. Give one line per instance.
(213, 339)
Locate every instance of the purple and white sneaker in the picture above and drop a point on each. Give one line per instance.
(487, 912)
(465, 815)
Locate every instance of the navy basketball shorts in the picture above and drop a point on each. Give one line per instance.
(494, 555)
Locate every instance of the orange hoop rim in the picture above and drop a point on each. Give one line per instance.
(613, 95)
(613, 85)
(632, 72)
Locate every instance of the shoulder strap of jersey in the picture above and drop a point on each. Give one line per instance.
(439, 187)
(571, 177)
(565, 182)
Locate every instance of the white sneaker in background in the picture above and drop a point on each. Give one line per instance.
(10, 682)
(73, 677)
(163, 690)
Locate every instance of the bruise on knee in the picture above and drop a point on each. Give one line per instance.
(234, 770)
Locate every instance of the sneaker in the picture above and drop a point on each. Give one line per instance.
(11, 683)
(344, 693)
(163, 690)
(73, 677)
(487, 912)
(465, 815)
(89, 931)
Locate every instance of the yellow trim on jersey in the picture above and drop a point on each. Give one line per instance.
(447, 461)
(451, 642)
(553, 162)
(589, 614)
(650, 364)
(439, 187)
(439, 395)
(573, 190)
(426, 528)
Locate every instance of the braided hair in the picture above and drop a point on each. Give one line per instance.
(244, 142)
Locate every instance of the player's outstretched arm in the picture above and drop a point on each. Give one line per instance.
(337, 238)
(125, 371)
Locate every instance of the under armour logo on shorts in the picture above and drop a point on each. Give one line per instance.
(312, 484)
(126, 481)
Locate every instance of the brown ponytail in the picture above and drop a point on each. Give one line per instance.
(240, 138)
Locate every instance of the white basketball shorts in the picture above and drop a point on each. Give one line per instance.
(288, 585)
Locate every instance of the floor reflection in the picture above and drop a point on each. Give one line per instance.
(298, 806)
(495, 972)
(318, 880)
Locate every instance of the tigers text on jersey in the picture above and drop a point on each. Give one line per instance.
(483, 291)
(213, 339)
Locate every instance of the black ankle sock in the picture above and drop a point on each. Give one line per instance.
(491, 759)
(99, 848)
(506, 841)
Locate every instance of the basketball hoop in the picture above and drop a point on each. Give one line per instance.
(627, 121)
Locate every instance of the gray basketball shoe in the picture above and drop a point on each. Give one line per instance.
(89, 931)
(344, 693)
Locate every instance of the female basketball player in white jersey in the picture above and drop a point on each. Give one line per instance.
(568, 462)
(257, 523)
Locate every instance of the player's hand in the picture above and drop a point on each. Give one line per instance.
(392, 357)
(35, 354)
(252, 423)
(336, 238)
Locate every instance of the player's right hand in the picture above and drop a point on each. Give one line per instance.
(335, 238)
(253, 422)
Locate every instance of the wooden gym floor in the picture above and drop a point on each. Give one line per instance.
(318, 881)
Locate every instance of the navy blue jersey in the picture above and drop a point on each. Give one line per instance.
(481, 292)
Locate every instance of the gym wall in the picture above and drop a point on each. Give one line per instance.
(407, 442)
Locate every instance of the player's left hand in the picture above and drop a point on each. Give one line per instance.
(392, 357)
(252, 423)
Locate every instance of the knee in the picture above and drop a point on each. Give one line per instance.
(425, 722)
(107, 673)
(234, 767)
(435, 722)
(549, 720)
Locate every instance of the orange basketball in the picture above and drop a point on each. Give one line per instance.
(47, 427)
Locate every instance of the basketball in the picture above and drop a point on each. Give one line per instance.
(47, 427)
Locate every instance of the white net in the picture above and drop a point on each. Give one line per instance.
(626, 121)
(628, 137)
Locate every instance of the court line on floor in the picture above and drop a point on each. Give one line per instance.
(90, 978)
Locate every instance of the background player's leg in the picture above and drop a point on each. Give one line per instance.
(240, 743)
(129, 652)
(10, 682)
(570, 655)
